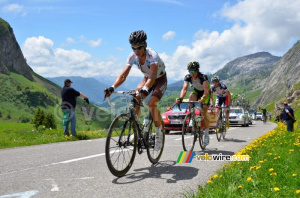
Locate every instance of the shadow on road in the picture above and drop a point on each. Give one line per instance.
(233, 140)
(165, 170)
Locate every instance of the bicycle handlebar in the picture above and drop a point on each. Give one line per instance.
(131, 93)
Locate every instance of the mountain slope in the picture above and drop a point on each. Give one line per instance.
(285, 74)
(11, 56)
(248, 74)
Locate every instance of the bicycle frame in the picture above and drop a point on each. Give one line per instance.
(132, 114)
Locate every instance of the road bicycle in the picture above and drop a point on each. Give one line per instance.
(191, 128)
(221, 124)
(264, 119)
(126, 136)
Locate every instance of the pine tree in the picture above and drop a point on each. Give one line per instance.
(39, 117)
(49, 121)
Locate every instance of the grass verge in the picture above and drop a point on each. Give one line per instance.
(273, 169)
(19, 134)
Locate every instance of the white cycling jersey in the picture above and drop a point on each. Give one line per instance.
(151, 58)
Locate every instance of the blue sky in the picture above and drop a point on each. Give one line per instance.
(91, 37)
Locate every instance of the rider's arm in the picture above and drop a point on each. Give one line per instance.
(83, 96)
(120, 80)
(206, 90)
(229, 97)
(184, 89)
(153, 75)
(211, 97)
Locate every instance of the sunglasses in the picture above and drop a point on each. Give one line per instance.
(137, 48)
(192, 71)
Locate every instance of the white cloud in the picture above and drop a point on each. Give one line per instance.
(259, 25)
(96, 43)
(14, 9)
(169, 35)
(70, 40)
(49, 61)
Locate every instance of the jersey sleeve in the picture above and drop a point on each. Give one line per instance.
(74, 92)
(224, 87)
(287, 111)
(205, 78)
(130, 60)
(153, 57)
(188, 78)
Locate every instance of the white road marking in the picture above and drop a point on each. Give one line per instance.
(184, 138)
(63, 162)
(54, 188)
(26, 194)
(78, 159)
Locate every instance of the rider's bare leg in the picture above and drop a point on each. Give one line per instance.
(154, 110)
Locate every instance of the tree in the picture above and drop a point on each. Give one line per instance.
(49, 121)
(39, 117)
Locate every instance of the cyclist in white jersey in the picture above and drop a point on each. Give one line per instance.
(155, 78)
(223, 96)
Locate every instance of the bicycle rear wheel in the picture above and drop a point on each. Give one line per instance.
(219, 126)
(189, 133)
(224, 127)
(121, 143)
(153, 155)
(201, 139)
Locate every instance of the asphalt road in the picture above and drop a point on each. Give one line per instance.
(78, 169)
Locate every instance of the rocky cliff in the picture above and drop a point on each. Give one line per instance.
(285, 74)
(260, 63)
(11, 56)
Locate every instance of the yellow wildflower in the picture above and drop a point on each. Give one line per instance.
(294, 174)
(297, 192)
(221, 176)
(291, 150)
(252, 167)
(271, 169)
(276, 189)
(249, 179)
(240, 187)
(273, 174)
(261, 162)
(257, 167)
(209, 181)
(215, 176)
(224, 165)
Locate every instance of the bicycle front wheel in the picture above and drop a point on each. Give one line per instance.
(189, 133)
(154, 155)
(219, 128)
(121, 143)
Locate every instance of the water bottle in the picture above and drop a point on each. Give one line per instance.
(146, 124)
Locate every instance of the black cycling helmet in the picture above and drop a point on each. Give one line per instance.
(215, 79)
(137, 37)
(193, 65)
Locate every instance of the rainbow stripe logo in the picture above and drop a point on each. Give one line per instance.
(185, 157)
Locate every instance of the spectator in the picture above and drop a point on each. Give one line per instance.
(68, 105)
(270, 116)
(289, 117)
